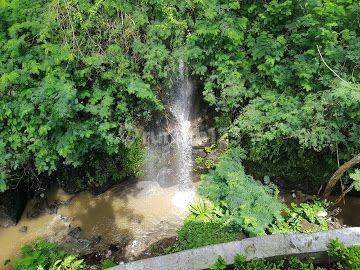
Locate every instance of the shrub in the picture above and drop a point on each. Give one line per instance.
(347, 258)
(38, 253)
(70, 262)
(43, 255)
(305, 217)
(195, 234)
(263, 73)
(219, 265)
(72, 91)
(292, 263)
(107, 263)
(245, 203)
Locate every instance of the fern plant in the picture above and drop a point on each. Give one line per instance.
(43, 255)
(70, 262)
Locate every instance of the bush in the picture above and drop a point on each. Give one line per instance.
(43, 255)
(38, 253)
(292, 263)
(347, 258)
(71, 87)
(244, 202)
(70, 262)
(264, 75)
(194, 234)
(107, 263)
(72, 91)
(305, 217)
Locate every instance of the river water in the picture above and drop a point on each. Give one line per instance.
(141, 212)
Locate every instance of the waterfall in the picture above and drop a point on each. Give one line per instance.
(169, 156)
(181, 109)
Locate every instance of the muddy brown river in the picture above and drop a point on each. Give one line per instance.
(143, 212)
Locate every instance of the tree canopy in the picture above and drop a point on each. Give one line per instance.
(78, 77)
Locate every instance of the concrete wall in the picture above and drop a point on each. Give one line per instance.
(269, 246)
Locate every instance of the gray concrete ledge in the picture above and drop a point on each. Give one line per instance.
(269, 246)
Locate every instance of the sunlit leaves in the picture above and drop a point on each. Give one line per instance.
(356, 177)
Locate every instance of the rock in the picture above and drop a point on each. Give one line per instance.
(114, 248)
(74, 243)
(223, 144)
(12, 204)
(37, 205)
(80, 246)
(23, 229)
(53, 208)
(202, 139)
(199, 153)
(334, 223)
(75, 233)
(307, 226)
(95, 240)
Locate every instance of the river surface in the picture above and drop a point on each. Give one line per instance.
(142, 212)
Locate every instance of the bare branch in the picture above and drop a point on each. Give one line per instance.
(333, 71)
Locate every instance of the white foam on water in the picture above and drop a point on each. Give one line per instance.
(182, 199)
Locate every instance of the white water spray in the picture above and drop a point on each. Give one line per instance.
(169, 162)
(181, 109)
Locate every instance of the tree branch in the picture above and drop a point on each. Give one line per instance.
(339, 172)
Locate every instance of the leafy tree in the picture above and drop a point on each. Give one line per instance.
(79, 79)
(74, 83)
(263, 69)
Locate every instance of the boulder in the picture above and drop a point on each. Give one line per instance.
(12, 204)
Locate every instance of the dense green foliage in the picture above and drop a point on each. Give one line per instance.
(306, 217)
(242, 202)
(76, 78)
(70, 262)
(263, 73)
(194, 234)
(345, 259)
(355, 176)
(74, 81)
(107, 263)
(289, 263)
(43, 255)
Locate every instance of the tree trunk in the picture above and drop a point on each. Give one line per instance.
(339, 172)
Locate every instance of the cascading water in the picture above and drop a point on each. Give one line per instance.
(169, 155)
(181, 109)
